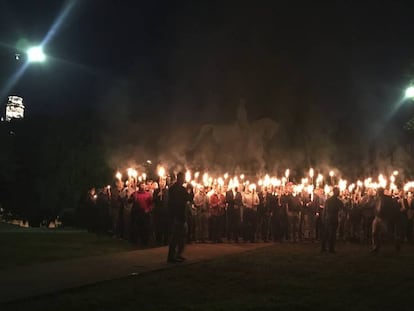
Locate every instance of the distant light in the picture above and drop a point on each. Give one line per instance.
(409, 92)
(149, 162)
(35, 54)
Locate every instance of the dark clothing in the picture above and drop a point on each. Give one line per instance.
(263, 213)
(332, 207)
(234, 206)
(177, 200)
(177, 241)
(275, 221)
(293, 206)
(117, 209)
(140, 222)
(329, 236)
(161, 216)
(330, 222)
(249, 224)
(177, 203)
(386, 222)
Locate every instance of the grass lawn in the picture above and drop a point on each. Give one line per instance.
(280, 277)
(23, 246)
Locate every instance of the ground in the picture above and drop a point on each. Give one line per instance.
(22, 246)
(281, 276)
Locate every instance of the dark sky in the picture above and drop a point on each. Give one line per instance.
(196, 60)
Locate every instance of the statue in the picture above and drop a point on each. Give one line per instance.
(239, 143)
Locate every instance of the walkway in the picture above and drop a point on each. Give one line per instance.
(29, 281)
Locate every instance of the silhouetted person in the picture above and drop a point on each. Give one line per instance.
(177, 200)
(117, 209)
(160, 213)
(386, 220)
(408, 204)
(234, 206)
(330, 220)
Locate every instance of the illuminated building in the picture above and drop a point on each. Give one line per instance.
(14, 108)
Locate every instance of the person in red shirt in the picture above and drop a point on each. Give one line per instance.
(140, 214)
(215, 212)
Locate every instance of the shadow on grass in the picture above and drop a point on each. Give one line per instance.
(289, 277)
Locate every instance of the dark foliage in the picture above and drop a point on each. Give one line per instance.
(46, 164)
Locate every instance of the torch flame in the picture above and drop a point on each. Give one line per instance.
(311, 173)
(188, 176)
(161, 171)
(319, 179)
(118, 175)
(132, 173)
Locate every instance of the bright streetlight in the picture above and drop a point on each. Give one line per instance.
(409, 92)
(35, 54)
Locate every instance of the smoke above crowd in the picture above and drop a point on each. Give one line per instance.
(239, 144)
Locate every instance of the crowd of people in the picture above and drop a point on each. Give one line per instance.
(141, 212)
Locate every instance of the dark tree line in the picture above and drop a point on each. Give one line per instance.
(48, 163)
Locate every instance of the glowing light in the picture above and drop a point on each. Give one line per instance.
(161, 171)
(196, 174)
(118, 175)
(409, 92)
(395, 173)
(408, 186)
(319, 179)
(242, 176)
(311, 173)
(188, 176)
(132, 173)
(205, 179)
(144, 176)
(220, 181)
(287, 173)
(367, 182)
(35, 54)
(14, 108)
(342, 185)
(327, 189)
(331, 173)
(266, 181)
(226, 176)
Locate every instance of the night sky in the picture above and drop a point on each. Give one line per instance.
(332, 63)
